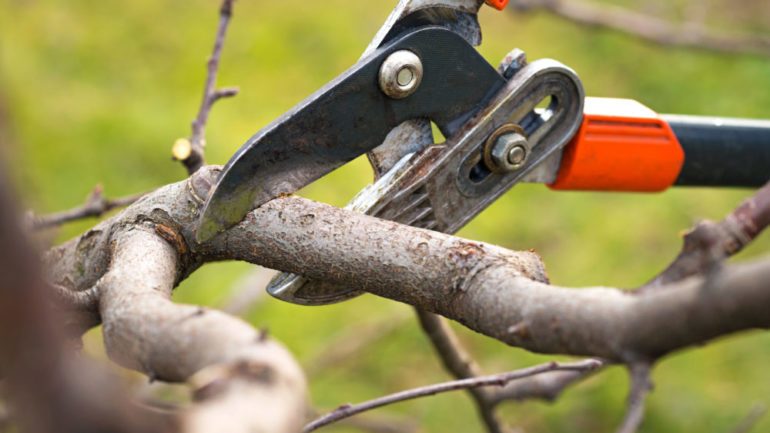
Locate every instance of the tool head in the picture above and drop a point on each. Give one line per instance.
(353, 115)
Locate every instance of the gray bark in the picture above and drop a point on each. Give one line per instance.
(497, 292)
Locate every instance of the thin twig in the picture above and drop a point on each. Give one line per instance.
(710, 243)
(191, 152)
(459, 364)
(348, 410)
(95, 206)
(662, 32)
(640, 387)
(757, 412)
(547, 386)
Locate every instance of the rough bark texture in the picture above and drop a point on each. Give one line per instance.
(499, 293)
(49, 388)
(243, 381)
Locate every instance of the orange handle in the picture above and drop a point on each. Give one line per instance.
(621, 146)
(498, 4)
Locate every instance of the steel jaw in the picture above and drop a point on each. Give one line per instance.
(444, 186)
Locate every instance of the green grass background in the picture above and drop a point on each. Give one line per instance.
(96, 92)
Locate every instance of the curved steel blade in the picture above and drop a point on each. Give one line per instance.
(346, 118)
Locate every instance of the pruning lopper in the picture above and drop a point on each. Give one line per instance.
(520, 122)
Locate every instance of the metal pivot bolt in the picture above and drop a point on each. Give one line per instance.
(401, 74)
(507, 150)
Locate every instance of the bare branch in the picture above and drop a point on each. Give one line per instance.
(51, 390)
(243, 381)
(691, 35)
(493, 380)
(95, 206)
(640, 387)
(191, 152)
(499, 293)
(709, 243)
(459, 364)
(547, 386)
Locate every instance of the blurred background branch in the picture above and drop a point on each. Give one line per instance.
(96, 205)
(688, 34)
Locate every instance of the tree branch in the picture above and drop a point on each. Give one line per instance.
(499, 293)
(547, 386)
(640, 387)
(710, 243)
(243, 381)
(50, 389)
(95, 206)
(191, 152)
(494, 380)
(662, 32)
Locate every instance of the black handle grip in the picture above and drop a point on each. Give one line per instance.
(721, 151)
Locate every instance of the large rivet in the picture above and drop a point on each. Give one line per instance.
(401, 74)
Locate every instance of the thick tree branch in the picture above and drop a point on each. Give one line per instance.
(243, 381)
(499, 293)
(493, 380)
(691, 35)
(50, 389)
(191, 152)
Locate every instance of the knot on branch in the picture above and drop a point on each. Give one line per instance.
(173, 237)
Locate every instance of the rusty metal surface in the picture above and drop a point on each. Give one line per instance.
(459, 16)
(444, 186)
(444, 12)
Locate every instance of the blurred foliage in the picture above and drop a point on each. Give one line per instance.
(97, 92)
